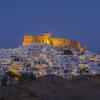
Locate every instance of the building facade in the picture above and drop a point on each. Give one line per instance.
(46, 38)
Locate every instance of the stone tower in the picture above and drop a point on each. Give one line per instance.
(27, 40)
(47, 38)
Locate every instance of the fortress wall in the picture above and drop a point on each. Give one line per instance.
(59, 42)
(27, 40)
(48, 39)
(41, 39)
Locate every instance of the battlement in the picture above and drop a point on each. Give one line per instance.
(46, 38)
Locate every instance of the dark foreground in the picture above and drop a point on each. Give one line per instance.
(53, 88)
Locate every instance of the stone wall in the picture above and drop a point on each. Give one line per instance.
(46, 38)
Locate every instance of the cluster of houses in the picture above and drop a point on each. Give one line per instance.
(42, 60)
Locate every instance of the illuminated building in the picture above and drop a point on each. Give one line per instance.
(46, 38)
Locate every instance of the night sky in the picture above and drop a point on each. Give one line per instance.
(72, 19)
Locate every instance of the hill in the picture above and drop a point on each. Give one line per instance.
(53, 88)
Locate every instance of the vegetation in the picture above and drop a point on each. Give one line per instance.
(54, 88)
(12, 74)
(68, 52)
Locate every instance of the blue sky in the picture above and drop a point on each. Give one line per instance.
(73, 19)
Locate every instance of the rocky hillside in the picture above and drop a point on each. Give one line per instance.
(53, 88)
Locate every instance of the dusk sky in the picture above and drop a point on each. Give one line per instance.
(72, 19)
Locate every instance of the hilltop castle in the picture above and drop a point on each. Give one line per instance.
(46, 38)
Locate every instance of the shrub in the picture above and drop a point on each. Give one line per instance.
(12, 74)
